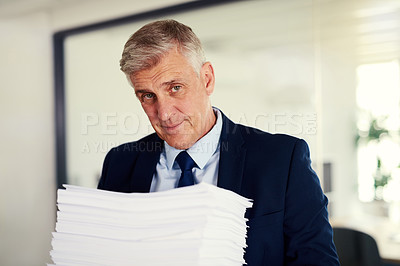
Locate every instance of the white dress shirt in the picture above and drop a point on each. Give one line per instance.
(205, 152)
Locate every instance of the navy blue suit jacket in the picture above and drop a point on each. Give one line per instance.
(288, 223)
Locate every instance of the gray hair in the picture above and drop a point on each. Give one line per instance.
(147, 46)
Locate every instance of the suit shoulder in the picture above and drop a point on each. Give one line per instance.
(149, 143)
(259, 137)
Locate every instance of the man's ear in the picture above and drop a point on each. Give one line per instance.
(208, 77)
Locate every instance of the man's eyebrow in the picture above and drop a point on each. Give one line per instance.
(170, 82)
(141, 91)
(164, 84)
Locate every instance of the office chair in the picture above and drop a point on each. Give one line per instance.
(356, 248)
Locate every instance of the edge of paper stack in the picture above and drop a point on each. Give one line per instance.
(195, 225)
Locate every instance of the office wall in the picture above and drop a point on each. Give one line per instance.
(27, 207)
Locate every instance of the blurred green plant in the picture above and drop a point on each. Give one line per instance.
(381, 179)
(375, 133)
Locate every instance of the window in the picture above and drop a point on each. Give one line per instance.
(378, 95)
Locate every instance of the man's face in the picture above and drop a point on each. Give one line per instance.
(176, 99)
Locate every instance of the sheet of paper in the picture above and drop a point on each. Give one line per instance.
(196, 225)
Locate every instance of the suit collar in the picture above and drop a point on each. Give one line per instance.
(232, 156)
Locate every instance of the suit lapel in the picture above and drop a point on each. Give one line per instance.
(146, 164)
(232, 156)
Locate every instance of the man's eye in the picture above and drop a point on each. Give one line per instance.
(147, 97)
(176, 88)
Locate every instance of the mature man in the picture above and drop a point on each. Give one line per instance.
(288, 224)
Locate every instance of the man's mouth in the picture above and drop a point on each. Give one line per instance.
(170, 128)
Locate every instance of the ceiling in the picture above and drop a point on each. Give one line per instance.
(12, 8)
(373, 24)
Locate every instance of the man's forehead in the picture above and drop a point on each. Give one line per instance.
(161, 77)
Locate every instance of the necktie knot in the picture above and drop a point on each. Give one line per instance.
(186, 164)
(184, 161)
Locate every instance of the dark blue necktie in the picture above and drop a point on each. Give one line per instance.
(186, 164)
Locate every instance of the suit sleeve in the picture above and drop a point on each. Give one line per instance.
(307, 233)
(102, 181)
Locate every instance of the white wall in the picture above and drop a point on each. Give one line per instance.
(27, 139)
(339, 127)
(27, 179)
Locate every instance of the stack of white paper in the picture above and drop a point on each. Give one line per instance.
(195, 225)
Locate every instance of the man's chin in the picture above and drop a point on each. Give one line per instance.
(179, 144)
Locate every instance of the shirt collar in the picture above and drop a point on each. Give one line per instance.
(203, 149)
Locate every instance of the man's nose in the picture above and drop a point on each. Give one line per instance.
(165, 109)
